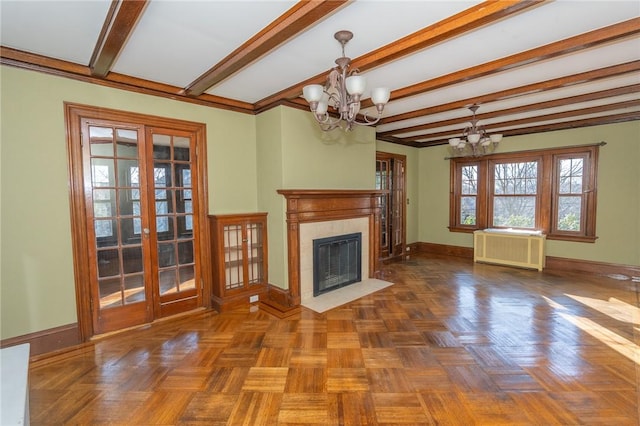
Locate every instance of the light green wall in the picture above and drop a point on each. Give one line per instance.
(618, 216)
(313, 159)
(248, 159)
(294, 154)
(412, 182)
(36, 280)
(270, 169)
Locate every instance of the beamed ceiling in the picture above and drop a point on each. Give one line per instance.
(533, 66)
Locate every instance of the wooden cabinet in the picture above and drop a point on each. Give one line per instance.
(239, 251)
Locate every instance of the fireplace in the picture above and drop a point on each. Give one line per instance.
(323, 213)
(336, 262)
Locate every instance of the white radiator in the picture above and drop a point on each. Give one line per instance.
(512, 248)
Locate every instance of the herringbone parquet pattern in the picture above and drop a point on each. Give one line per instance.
(450, 343)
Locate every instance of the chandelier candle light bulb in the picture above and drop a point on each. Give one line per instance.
(343, 91)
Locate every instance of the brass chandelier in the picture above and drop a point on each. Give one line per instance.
(342, 91)
(475, 140)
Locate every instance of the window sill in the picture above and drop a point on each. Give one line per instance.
(574, 238)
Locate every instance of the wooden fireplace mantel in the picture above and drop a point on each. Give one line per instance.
(319, 205)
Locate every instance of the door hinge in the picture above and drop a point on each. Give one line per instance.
(201, 283)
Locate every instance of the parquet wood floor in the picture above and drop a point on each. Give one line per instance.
(450, 343)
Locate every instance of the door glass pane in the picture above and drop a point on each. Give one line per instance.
(106, 232)
(101, 139)
(127, 201)
(167, 281)
(128, 231)
(164, 226)
(108, 263)
(183, 202)
(127, 143)
(103, 202)
(185, 252)
(166, 254)
(134, 288)
(185, 226)
(181, 148)
(128, 169)
(162, 206)
(102, 172)
(161, 176)
(110, 293)
(132, 259)
(161, 147)
(187, 280)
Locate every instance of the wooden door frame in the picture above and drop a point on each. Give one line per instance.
(74, 113)
(387, 155)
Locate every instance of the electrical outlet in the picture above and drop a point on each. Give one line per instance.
(254, 298)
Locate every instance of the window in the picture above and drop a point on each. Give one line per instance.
(553, 191)
(515, 194)
(469, 194)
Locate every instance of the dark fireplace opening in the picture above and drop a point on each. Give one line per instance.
(336, 262)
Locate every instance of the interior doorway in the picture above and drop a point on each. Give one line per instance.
(390, 176)
(138, 213)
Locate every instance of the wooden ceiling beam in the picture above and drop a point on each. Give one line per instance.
(120, 22)
(602, 94)
(465, 21)
(301, 16)
(572, 44)
(574, 124)
(584, 77)
(535, 119)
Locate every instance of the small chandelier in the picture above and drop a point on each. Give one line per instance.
(343, 91)
(478, 141)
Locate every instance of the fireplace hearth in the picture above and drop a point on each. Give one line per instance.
(336, 262)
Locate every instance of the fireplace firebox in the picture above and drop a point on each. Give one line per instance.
(336, 262)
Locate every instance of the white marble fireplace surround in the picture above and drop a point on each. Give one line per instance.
(314, 230)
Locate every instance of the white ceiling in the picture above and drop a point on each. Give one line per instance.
(174, 42)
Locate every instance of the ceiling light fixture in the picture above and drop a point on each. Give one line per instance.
(343, 91)
(478, 141)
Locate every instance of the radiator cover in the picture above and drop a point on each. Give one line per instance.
(511, 248)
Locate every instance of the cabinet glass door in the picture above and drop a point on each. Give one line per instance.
(233, 257)
(255, 262)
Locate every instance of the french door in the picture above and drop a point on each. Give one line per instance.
(390, 176)
(141, 208)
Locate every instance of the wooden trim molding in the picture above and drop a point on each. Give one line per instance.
(445, 250)
(552, 263)
(74, 114)
(591, 267)
(52, 339)
(319, 205)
